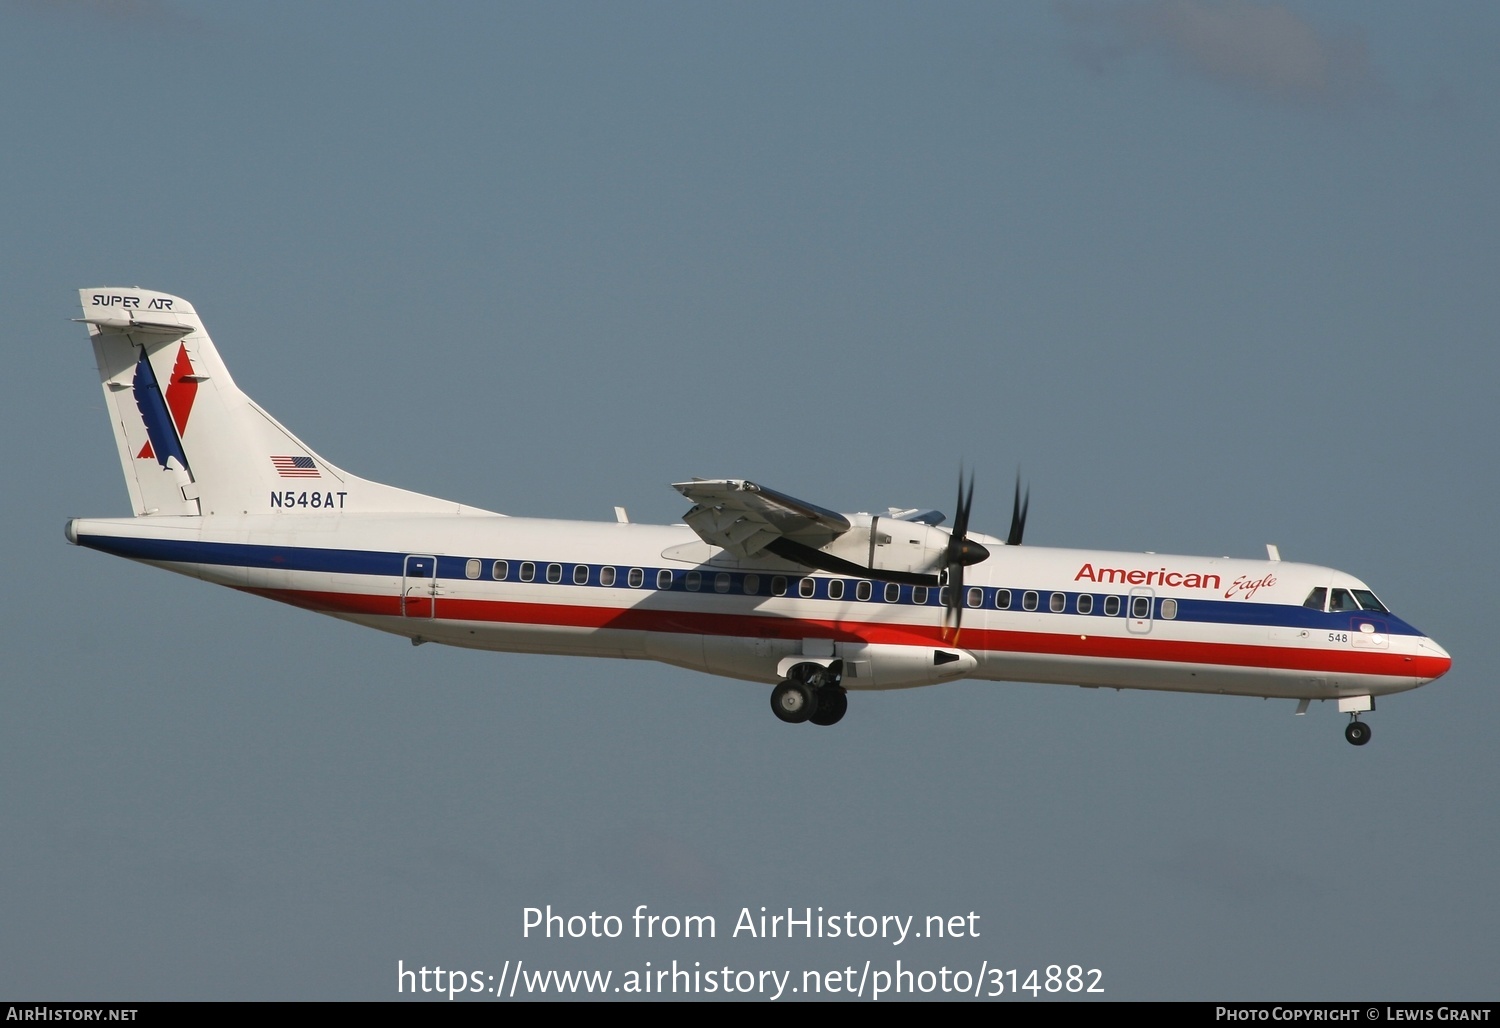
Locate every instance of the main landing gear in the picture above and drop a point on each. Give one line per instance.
(1357, 732)
(811, 692)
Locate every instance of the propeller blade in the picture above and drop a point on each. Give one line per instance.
(962, 551)
(953, 613)
(961, 509)
(1018, 515)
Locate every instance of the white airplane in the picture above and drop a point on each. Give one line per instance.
(756, 585)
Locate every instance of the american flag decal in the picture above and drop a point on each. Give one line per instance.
(295, 467)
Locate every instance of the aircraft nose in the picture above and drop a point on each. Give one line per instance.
(1436, 659)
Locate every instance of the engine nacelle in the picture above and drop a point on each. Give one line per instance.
(885, 666)
(890, 544)
(860, 665)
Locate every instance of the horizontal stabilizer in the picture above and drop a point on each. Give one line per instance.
(127, 323)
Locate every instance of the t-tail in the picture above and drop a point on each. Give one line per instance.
(190, 442)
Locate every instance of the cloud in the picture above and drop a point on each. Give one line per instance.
(1263, 48)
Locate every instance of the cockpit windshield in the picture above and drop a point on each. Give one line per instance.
(1341, 600)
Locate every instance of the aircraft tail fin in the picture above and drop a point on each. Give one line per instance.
(191, 442)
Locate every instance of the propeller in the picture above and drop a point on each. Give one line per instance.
(1018, 514)
(962, 551)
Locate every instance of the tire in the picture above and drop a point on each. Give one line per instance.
(1357, 732)
(833, 702)
(794, 702)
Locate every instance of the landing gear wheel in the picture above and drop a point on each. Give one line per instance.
(833, 701)
(1357, 732)
(794, 702)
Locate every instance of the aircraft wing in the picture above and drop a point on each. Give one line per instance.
(744, 518)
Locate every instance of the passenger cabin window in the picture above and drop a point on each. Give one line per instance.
(554, 573)
(606, 575)
(721, 582)
(1317, 599)
(472, 567)
(1169, 609)
(1058, 603)
(1002, 599)
(943, 596)
(806, 588)
(862, 591)
(636, 578)
(778, 585)
(976, 597)
(836, 589)
(1085, 604)
(1111, 606)
(664, 579)
(528, 571)
(694, 581)
(752, 585)
(500, 570)
(919, 594)
(1140, 607)
(1342, 600)
(1028, 600)
(892, 592)
(580, 574)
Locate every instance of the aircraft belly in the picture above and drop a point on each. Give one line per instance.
(225, 574)
(562, 640)
(749, 657)
(508, 638)
(1228, 679)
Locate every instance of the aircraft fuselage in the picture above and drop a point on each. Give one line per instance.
(1039, 614)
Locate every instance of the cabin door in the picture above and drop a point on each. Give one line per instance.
(419, 585)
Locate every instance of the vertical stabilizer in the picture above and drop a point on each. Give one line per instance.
(190, 442)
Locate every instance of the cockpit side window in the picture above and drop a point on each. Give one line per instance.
(1367, 601)
(1342, 601)
(1317, 599)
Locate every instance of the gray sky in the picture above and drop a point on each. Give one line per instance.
(1210, 274)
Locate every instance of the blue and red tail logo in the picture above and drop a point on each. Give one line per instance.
(165, 415)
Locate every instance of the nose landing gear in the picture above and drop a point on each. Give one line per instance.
(1357, 732)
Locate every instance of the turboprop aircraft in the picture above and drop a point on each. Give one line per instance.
(755, 585)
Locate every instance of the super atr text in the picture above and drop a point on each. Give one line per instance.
(760, 923)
